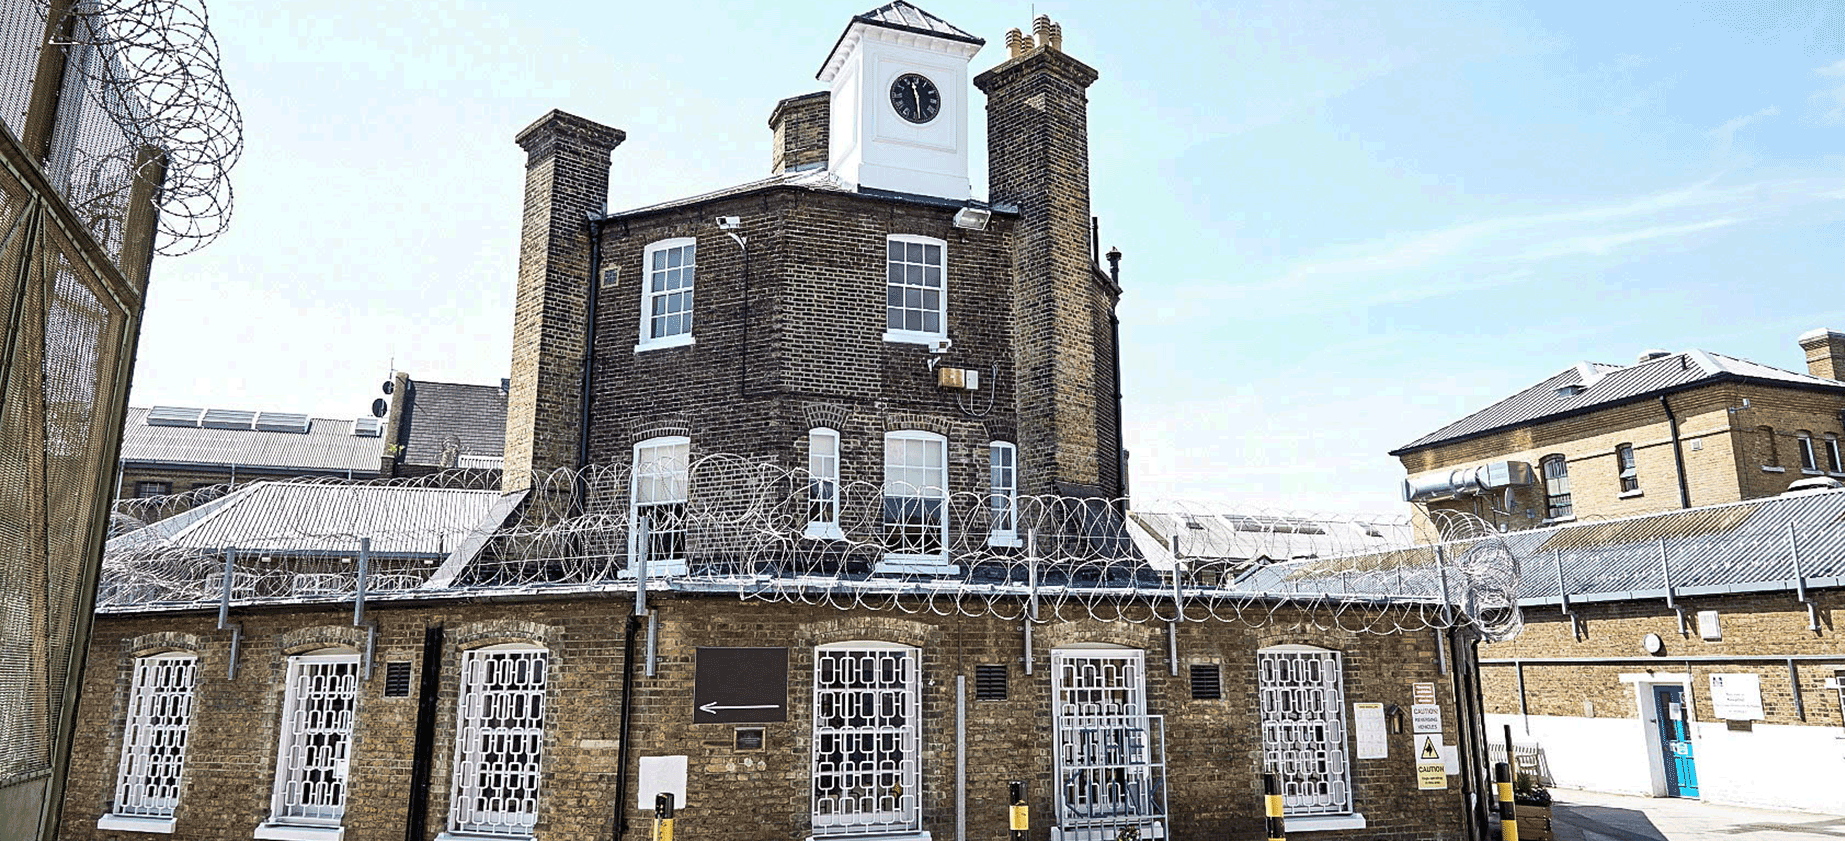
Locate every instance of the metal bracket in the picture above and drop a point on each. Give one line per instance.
(1563, 597)
(1800, 588)
(1031, 580)
(224, 612)
(1665, 571)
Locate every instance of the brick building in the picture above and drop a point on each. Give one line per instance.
(1680, 601)
(849, 648)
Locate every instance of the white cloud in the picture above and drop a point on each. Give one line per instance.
(1837, 69)
(1726, 133)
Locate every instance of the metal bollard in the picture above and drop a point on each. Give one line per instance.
(663, 817)
(1508, 817)
(1021, 812)
(1272, 806)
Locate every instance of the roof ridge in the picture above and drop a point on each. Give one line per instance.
(1706, 362)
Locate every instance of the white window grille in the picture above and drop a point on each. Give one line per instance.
(1808, 461)
(658, 495)
(666, 293)
(1624, 463)
(915, 497)
(1110, 754)
(1003, 496)
(154, 743)
(916, 297)
(823, 484)
(1302, 699)
(316, 748)
(867, 763)
(499, 741)
(1557, 489)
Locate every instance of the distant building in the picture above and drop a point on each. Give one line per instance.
(434, 426)
(1672, 430)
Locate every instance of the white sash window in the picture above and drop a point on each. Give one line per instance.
(499, 741)
(661, 478)
(316, 746)
(154, 743)
(1302, 698)
(867, 764)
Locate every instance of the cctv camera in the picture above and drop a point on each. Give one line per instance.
(729, 223)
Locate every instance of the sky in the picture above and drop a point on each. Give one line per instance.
(1345, 224)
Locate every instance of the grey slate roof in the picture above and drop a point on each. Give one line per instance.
(328, 447)
(1609, 385)
(436, 415)
(903, 15)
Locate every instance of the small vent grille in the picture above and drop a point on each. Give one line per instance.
(1207, 683)
(282, 422)
(397, 680)
(367, 427)
(990, 683)
(227, 419)
(173, 416)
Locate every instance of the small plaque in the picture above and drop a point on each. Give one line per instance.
(1424, 693)
(1426, 718)
(749, 738)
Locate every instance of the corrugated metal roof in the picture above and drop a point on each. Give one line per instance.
(437, 416)
(328, 446)
(1610, 384)
(1237, 537)
(312, 517)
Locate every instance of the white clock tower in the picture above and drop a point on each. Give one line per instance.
(899, 102)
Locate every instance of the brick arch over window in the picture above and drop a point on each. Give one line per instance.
(160, 641)
(314, 637)
(883, 628)
(503, 631)
(829, 415)
(913, 422)
(1126, 635)
(998, 430)
(659, 426)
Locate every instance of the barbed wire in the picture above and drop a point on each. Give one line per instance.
(729, 525)
(157, 71)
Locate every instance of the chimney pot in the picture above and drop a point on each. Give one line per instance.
(1041, 30)
(1016, 43)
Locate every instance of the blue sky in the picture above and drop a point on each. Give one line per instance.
(1345, 224)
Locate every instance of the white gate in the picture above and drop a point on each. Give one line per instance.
(310, 784)
(1110, 770)
(867, 763)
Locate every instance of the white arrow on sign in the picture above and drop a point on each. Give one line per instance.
(712, 708)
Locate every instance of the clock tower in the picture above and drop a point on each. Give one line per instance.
(899, 102)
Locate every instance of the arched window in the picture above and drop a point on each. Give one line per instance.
(1809, 462)
(1003, 493)
(1625, 469)
(1835, 461)
(154, 742)
(1301, 695)
(499, 741)
(823, 484)
(316, 747)
(915, 501)
(867, 739)
(1557, 488)
(657, 503)
(666, 293)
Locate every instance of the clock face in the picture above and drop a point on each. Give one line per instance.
(915, 98)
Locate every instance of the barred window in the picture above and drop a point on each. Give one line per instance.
(499, 741)
(1302, 696)
(1557, 488)
(661, 472)
(1624, 467)
(154, 743)
(915, 289)
(823, 484)
(1003, 496)
(666, 293)
(915, 495)
(867, 761)
(146, 490)
(316, 747)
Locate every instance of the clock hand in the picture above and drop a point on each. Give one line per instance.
(915, 98)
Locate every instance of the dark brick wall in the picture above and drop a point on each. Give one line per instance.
(1213, 746)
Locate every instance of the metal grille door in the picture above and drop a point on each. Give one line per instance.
(499, 742)
(1110, 769)
(310, 784)
(1303, 729)
(867, 767)
(154, 744)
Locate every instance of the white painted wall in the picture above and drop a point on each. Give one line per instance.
(1774, 766)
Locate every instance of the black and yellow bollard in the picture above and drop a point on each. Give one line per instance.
(663, 817)
(1020, 812)
(1508, 818)
(1271, 806)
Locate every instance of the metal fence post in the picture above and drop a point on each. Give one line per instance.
(1272, 807)
(1508, 817)
(1020, 813)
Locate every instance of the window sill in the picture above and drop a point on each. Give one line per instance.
(1811, 472)
(1767, 469)
(1554, 520)
(915, 565)
(130, 823)
(853, 836)
(469, 836)
(1320, 823)
(298, 832)
(823, 531)
(1007, 539)
(1630, 494)
(681, 340)
(912, 337)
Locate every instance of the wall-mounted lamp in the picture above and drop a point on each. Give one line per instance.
(1745, 405)
(973, 218)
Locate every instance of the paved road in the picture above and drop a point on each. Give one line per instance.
(1593, 816)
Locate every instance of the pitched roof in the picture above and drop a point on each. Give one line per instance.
(290, 518)
(471, 418)
(1606, 385)
(328, 446)
(901, 16)
(818, 180)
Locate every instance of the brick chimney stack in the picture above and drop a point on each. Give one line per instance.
(800, 124)
(1038, 154)
(1825, 353)
(566, 179)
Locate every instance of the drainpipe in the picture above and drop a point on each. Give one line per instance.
(1678, 453)
(589, 341)
(1114, 332)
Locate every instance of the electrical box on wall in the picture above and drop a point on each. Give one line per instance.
(962, 378)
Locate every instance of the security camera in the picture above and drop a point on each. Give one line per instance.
(729, 223)
(941, 345)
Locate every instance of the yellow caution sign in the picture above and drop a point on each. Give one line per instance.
(1431, 776)
(1429, 751)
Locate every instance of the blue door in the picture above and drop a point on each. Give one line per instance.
(1675, 741)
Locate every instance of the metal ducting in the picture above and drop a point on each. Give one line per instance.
(1467, 481)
